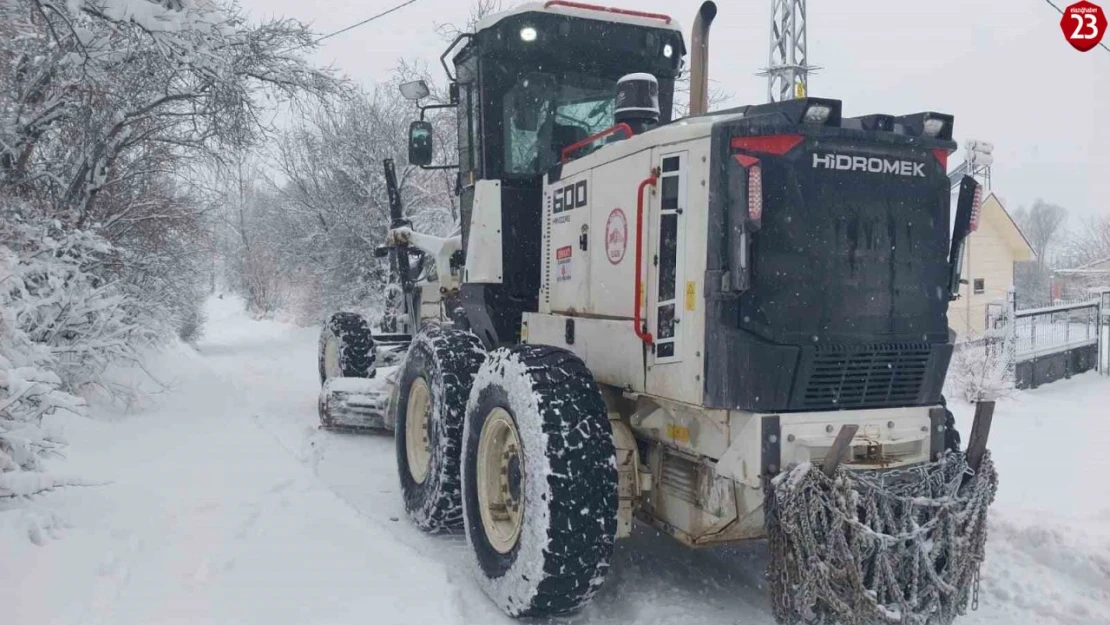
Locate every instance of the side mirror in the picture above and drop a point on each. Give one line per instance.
(420, 143)
(415, 91)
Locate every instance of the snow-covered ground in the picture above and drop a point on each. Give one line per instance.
(220, 502)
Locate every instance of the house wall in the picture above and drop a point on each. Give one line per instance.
(987, 257)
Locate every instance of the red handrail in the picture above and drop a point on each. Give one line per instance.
(578, 145)
(598, 7)
(641, 331)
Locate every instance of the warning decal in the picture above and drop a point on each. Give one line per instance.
(562, 261)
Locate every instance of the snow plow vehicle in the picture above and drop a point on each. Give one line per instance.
(729, 326)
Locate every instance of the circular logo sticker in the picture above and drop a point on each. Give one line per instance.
(1084, 24)
(616, 236)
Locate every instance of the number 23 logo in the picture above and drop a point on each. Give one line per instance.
(1084, 24)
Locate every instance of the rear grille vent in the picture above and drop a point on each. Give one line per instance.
(866, 376)
(679, 477)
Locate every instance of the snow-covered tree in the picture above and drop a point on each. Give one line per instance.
(108, 108)
(301, 229)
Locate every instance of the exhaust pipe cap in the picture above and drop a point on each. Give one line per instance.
(699, 61)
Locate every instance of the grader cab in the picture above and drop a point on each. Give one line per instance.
(730, 326)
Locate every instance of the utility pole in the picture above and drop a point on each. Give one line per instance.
(788, 67)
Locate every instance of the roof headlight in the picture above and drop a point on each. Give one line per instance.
(933, 126)
(817, 114)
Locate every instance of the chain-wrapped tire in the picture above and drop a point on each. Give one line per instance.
(430, 405)
(346, 348)
(539, 481)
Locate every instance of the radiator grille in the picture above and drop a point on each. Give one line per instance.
(868, 376)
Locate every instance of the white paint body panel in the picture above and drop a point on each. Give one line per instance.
(596, 285)
(566, 266)
(707, 464)
(806, 437)
(484, 259)
(612, 349)
(681, 377)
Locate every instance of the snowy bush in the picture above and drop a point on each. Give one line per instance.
(77, 321)
(27, 394)
(982, 369)
(31, 288)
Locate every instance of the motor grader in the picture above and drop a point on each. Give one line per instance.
(730, 326)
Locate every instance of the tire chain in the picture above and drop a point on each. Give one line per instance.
(901, 546)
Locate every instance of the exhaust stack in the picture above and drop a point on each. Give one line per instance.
(699, 59)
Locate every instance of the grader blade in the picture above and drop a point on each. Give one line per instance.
(898, 547)
(357, 403)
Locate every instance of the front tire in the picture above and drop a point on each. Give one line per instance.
(539, 481)
(346, 348)
(429, 409)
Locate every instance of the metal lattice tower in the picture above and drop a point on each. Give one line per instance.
(788, 68)
(977, 163)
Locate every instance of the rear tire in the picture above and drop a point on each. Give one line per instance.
(430, 406)
(543, 403)
(346, 348)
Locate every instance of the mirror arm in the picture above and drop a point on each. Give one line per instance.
(443, 57)
(435, 106)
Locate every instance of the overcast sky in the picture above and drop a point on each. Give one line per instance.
(1002, 67)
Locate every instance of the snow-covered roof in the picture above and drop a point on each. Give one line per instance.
(1088, 269)
(1094, 265)
(579, 9)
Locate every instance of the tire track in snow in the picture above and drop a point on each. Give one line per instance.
(652, 579)
(434, 548)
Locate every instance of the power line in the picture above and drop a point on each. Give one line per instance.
(1061, 12)
(365, 21)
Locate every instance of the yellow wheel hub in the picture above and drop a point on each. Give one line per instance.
(500, 478)
(417, 417)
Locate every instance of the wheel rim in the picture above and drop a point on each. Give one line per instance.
(416, 430)
(500, 480)
(331, 358)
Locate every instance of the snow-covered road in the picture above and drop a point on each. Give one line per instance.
(222, 503)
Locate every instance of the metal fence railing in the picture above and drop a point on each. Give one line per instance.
(1042, 345)
(1051, 329)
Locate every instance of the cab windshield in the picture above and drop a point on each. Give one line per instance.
(544, 113)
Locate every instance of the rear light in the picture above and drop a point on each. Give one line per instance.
(942, 158)
(755, 185)
(755, 192)
(976, 207)
(768, 144)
